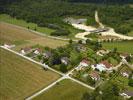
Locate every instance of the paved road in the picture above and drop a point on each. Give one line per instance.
(116, 67)
(83, 84)
(125, 62)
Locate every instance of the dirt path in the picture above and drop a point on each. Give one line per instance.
(110, 32)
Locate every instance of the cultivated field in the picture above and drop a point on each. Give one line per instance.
(22, 37)
(20, 78)
(123, 46)
(64, 90)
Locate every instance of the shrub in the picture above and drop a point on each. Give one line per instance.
(61, 33)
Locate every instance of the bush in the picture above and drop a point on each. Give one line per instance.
(60, 33)
(130, 82)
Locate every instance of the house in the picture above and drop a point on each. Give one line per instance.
(126, 73)
(127, 94)
(47, 54)
(102, 52)
(102, 66)
(26, 50)
(65, 60)
(7, 45)
(37, 51)
(95, 75)
(107, 64)
(80, 48)
(83, 63)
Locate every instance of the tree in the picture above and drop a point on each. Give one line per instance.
(70, 41)
(63, 68)
(35, 29)
(115, 50)
(28, 27)
(116, 90)
(80, 41)
(130, 82)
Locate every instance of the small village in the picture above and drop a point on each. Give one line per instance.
(86, 61)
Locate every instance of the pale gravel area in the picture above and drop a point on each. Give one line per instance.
(110, 32)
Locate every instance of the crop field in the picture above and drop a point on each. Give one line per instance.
(9, 19)
(64, 90)
(123, 46)
(20, 78)
(22, 37)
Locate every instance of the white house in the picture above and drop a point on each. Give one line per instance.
(65, 60)
(26, 50)
(100, 67)
(47, 54)
(37, 51)
(103, 66)
(127, 94)
(125, 74)
(9, 46)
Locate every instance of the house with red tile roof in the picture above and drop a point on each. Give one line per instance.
(83, 63)
(95, 75)
(107, 64)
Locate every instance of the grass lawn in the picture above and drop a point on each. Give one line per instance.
(21, 37)
(123, 46)
(130, 33)
(9, 19)
(65, 90)
(20, 78)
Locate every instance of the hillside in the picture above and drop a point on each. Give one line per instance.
(50, 13)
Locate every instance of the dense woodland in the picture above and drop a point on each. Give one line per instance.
(50, 13)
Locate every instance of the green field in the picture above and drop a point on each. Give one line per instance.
(130, 33)
(9, 19)
(123, 46)
(20, 78)
(64, 90)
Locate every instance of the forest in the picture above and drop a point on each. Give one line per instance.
(50, 13)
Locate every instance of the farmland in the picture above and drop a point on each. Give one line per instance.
(22, 37)
(123, 46)
(21, 78)
(64, 90)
